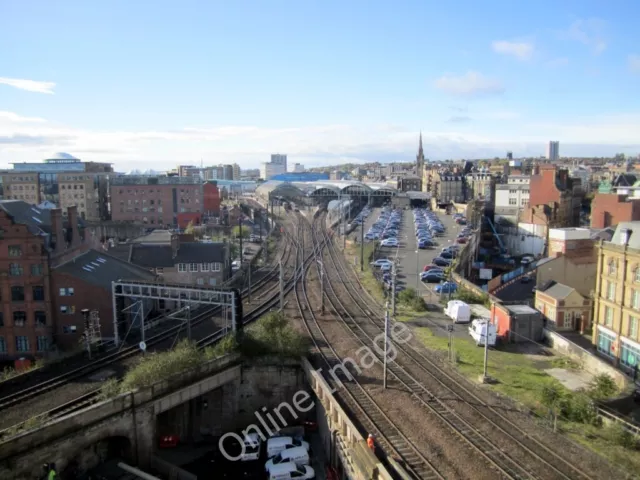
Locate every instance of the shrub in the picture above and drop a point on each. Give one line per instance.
(410, 298)
(155, 367)
(225, 346)
(273, 335)
(579, 407)
(109, 389)
(471, 297)
(241, 231)
(619, 435)
(602, 386)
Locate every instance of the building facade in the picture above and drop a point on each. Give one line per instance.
(450, 188)
(279, 159)
(268, 170)
(64, 181)
(511, 198)
(211, 199)
(564, 308)
(610, 209)
(554, 188)
(155, 201)
(617, 297)
(553, 151)
(480, 186)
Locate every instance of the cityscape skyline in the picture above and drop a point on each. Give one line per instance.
(172, 90)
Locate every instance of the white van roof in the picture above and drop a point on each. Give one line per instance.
(280, 440)
(293, 452)
(285, 468)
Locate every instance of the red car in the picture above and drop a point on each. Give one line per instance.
(461, 240)
(429, 267)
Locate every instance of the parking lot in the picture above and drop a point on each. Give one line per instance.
(411, 259)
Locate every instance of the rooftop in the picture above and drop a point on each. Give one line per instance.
(558, 291)
(570, 233)
(521, 309)
(100, 269)
(629, 229)
(159, 255)
(37, 219)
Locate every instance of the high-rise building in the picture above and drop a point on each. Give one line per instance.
(553, 151)
(298, 168)
(236, 172)
(279, 159)
(270, 169)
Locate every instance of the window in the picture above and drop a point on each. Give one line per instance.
(204, 267)
(15, 251)
(605, 342)
(613, 268)
(69, 329)
(3, 345)
(212, 281)
(635, 299)
(38, 293)
(182, 267)
(42, 343)
(513, 201)
(611, 291)
(15, 269)
(40, 318)
(629, 354)
(22, 343)
(19, 318)
(193, 267)
(200, 281)
(67, 292)
(17, 294)
(608, 316)
(68, 309)
(215, 267)
(633, 327)
(1, 319)
(636, 275)
(36, 269)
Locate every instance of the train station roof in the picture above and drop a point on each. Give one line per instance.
(337, 187)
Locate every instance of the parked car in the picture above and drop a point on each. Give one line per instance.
(446, 287)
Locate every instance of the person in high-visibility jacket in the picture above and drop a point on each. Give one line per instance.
(371, 443)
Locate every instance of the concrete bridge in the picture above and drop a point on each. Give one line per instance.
(215, 398)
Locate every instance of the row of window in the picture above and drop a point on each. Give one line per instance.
(22, 344)
(17, 293)
(610, 294)
(612, 269)
(20, 318)
(632, 328)
(629, 354)
(202, 267)
(16, 269)
(514, 201)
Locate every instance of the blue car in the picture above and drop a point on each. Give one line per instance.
(446, 287)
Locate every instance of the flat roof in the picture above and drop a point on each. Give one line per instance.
(521, 309)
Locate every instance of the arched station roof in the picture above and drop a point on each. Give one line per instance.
(338, 187)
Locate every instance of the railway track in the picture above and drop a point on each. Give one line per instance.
(480, 431)
(207, 340)
(373, 418)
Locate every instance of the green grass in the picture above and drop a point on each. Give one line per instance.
(517, 375)
(522, 378)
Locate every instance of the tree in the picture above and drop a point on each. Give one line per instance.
(551, 398)
(241, 231)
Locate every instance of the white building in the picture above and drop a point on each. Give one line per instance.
(279, 159)
(553, 151)
(511, 198)
(269, 169)
(584, 176)
(298, 168)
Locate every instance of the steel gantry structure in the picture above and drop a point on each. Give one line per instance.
(141, 291)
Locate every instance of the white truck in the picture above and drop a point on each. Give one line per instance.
(478, 331)
(458, 311)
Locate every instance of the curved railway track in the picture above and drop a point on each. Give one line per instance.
(541, 461)
(91, 397)
(373, 418)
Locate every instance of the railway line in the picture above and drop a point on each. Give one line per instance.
(164, 339)
(351, 392)
(505, 446)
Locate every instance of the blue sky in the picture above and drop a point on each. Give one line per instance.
(151, 84)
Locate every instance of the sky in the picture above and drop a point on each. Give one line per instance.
(152, 84)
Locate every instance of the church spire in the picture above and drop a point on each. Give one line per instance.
(420, 151)
(420, 158)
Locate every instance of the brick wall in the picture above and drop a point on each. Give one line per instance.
(609, 209)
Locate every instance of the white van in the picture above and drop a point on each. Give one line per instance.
(458, 311)
(287, 471)
(478, 331)
(297, 455)
(277, 444)
(251, 450)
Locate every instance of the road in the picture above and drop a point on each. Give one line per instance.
(517, 291)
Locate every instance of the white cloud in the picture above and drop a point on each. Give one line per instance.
(589, 32)
(29, 85)
(634, 63)
(520, 50)
(316, 145)
(469, 85)
(15, 118)
(558, 62)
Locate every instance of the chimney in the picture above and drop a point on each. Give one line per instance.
(57, 232)
(624, 236)
(175, 245)
(72, 216)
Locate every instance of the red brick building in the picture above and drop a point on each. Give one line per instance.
(32, 241)
(211, 194)
(554, 188)
(85, 283)
(154, 201)
(610, 209)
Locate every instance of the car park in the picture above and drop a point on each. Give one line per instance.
(432, 276)
(390, 242)
(441, 262)
(446, 287)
